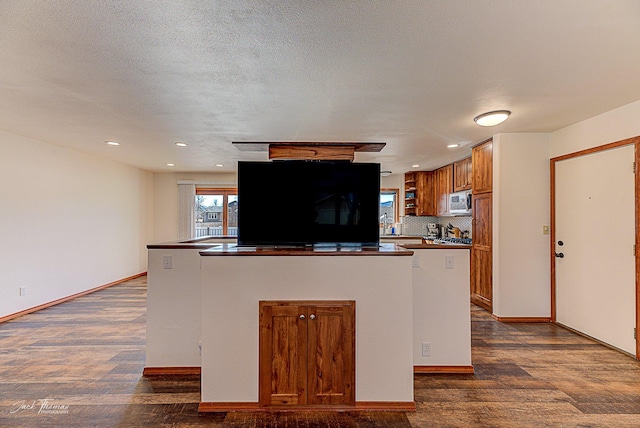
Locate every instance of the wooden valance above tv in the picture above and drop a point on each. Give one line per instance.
(343, 150)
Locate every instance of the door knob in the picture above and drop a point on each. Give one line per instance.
(301, 317)
(560, 255)
(312, 317)
(560, 243)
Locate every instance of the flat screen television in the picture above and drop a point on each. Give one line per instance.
(295, 203)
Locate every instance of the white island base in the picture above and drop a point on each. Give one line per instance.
(234, 282)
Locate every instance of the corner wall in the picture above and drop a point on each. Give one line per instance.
(69, 222)
(521, 272)
(522, 283)
(165, 199)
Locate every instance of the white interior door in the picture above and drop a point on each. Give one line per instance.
(595, 221)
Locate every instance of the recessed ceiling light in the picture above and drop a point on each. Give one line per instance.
(112, 143)
(219, 165)
(415, 166)
(171, 164)
(492, 118)
(453, 146)
(181, 144)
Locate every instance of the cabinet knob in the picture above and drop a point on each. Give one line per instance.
(312, 316)
(301, 317)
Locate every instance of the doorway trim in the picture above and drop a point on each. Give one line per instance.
(635, 141)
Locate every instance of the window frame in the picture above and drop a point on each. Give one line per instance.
(396, 208)
(225, 192)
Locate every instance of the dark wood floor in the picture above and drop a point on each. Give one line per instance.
(87, 356)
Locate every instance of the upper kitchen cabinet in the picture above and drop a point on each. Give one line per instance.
(462, 175)
(482, 155)
(419, 193)
(443, 187)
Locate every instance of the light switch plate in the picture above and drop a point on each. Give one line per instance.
(448, 262)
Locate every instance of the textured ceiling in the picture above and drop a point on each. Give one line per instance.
(410, 73)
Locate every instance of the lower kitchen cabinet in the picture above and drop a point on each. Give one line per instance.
(307, 353)
(481, 252)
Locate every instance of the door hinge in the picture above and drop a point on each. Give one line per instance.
(634, 249)
(634, 167)
(634, 333)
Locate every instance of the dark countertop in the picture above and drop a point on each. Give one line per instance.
(436, 246)
(234, 250)
(193, 244)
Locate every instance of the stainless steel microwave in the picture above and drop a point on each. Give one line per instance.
(460, 203)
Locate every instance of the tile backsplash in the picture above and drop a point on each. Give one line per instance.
(417, 225)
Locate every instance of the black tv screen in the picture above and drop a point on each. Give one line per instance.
(307, 203)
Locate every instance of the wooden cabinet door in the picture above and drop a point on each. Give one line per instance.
(469, 172)
(462, 174)
(426, 202)
(444, 185)
(330, 363)
(307, 353)
(283, 342)
(482, 164)
(481, 251)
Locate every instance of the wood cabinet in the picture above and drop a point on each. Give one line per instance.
(481, 251)
(482, 164)
(419, 193)
(462, 175)
(482, 226)
(444, 185)
(307, 353)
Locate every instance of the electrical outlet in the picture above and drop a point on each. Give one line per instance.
(23, 291)
(415, 261)
(426, 349)
(167, 262)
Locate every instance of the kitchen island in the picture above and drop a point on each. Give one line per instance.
(433, 309)
(234, 282)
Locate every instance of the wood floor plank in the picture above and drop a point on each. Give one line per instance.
(88, 355)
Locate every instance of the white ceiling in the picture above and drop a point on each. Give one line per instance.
(413, 74)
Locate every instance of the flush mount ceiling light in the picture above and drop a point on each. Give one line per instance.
(492, 118)
(171, 164)
(219, 165)
(453, 146)
(112, 143)
(181, 144)
(385, 173)
(415, 166)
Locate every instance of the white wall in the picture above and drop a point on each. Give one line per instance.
(233, 285)
(615, 125)
(69, 222)
(173, 308)
(165, 199)
(521, 205)
(521, 281)
(441, 314)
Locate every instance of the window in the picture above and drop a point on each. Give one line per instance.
(216, 212)
(388, 209)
